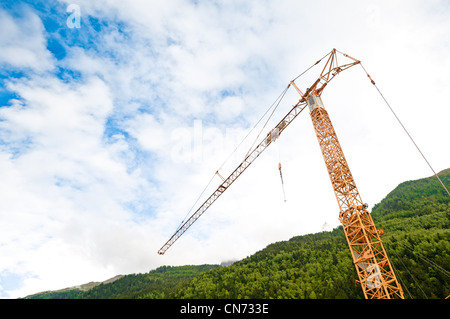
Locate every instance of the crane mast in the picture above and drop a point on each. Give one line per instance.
(375, 272)
(373, 267)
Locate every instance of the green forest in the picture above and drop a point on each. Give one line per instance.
(415, 220)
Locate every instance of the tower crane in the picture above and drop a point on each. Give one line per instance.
(374, 270)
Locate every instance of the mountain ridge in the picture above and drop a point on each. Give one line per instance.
(82, 287)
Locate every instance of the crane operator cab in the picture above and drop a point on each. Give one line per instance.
(314, 101)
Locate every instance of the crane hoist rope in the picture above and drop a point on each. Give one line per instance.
(282, 182)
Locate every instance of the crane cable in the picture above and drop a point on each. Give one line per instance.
(413, 278)
(279, 98)
(398, 273)
(404, 128)
(443, 271)
(431, 262)
(282, 182)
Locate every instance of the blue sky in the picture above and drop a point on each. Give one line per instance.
(110, 131)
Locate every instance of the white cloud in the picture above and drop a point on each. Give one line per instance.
(23, 42)
(67, 184)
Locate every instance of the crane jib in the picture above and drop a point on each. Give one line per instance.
(271, 136)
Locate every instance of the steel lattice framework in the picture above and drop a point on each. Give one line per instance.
(375, 272)
(373, 267)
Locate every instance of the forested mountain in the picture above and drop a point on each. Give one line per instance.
(414, 216)
(156, 284)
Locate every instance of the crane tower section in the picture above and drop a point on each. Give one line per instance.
(375, 272)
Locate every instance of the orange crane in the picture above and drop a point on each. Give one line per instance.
(375, 272)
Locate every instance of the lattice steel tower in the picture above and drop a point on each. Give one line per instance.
(375, 272)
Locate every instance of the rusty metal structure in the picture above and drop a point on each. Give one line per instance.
(375, 272)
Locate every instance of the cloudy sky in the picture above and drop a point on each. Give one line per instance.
(115, 115)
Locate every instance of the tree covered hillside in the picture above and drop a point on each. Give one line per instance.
(156, 284)
(414, 216)
(311, 266)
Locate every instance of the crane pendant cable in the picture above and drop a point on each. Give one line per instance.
(406, 131)
(274, 105)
